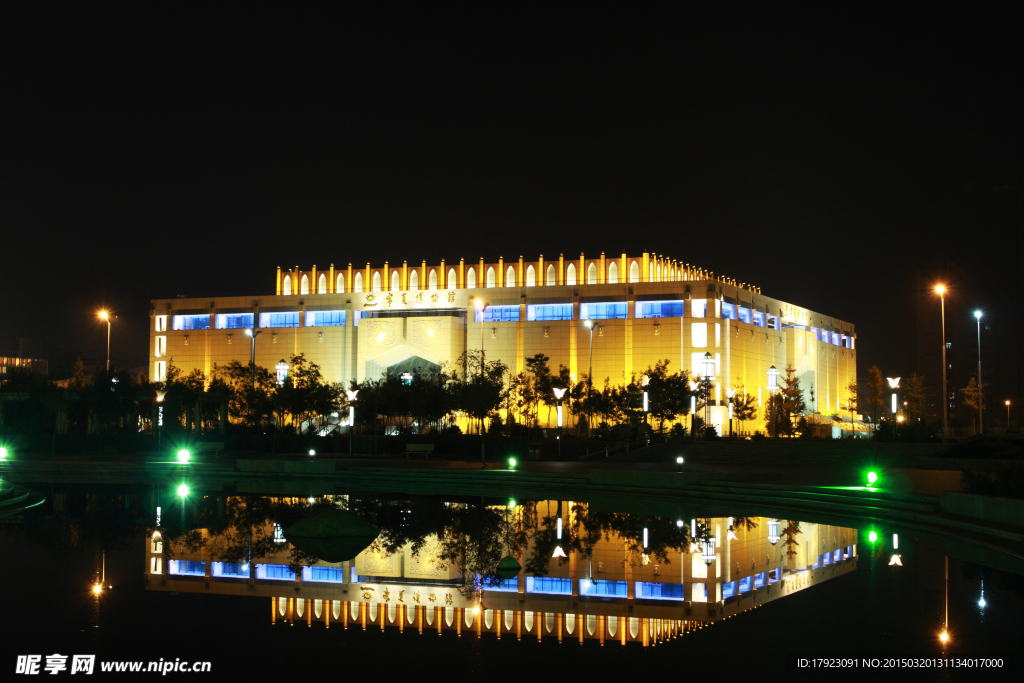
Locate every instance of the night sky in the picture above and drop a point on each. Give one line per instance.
(822, 156)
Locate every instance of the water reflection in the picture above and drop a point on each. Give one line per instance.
(549, 568)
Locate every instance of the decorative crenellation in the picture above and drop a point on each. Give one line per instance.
(648, 267)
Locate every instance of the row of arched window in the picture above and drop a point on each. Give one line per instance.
(657, 274)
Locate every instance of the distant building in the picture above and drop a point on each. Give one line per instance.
(10, 366)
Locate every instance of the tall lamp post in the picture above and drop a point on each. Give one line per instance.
(729, 393)
(351, 394)
(708, 373)
(773, 385)
(105, 317)
(282, 372)
(589, 324)
(481, 307)
(941, 291)
(1007, 415)
(643, 383)
(252, 356)
(559, 393)
(981, 391)
(694, 386)
(160, 417)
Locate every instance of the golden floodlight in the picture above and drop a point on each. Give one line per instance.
(103, 315)
(940, 289)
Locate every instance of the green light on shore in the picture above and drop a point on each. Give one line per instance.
(3, 453)
(872, 536)
(183, 456)
(872, 478)
(511, 503)
(183, 491)
(511, 463)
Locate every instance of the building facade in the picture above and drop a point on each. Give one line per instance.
(618, 315)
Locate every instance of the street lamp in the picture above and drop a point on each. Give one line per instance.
(282, 372)
(252, 357)
(558, 533)
(708, 551)
(351, 394)
(941, 291)
(589, 324)
(159, 417)
(1007, 415)
(981, 392)
(894, 384)
(773, 385)
(773, 531)
(559, 393)
(106, 317)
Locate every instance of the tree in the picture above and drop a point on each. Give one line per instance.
(792, 397)
(915, 396)
(744, 405)
(668, 394)
(852, 405)
(874, 398)
(972, 398)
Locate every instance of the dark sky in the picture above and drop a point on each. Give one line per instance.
(822, 156)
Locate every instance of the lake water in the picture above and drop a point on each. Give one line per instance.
(216, 579)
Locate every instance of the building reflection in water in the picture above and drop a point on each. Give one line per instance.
(624, 578)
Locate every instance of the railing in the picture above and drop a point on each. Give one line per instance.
(630, 443)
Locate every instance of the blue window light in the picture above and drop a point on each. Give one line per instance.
(773, 322)
(816, 564)
(659, 309)
(835, 339)
(759, 318)
(604, 588)
(728, 311)
(355, 318)
(827, 559)
(603, 311)
(760, 579)
(325, 318)
(746, 584)
(729, 590)
(816, 332)
(549, 312)
(504, 585)
(548, 584)
(849, 552)
(700, 592)
(323, 574)
(235, 569)
(234, 321)
(744, 314)
(498, 314)
(186, 567)
(278, 572)
(774, 575)
(660, 591)
(279, 319)
(837, 556)
(192, 322)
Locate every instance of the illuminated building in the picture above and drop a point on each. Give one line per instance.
(357, 323)
(598, 597)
